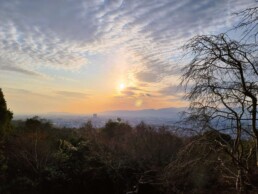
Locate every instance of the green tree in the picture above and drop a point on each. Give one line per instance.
(5, 125)
(5, 116)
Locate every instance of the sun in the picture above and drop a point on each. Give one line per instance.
(121, 86)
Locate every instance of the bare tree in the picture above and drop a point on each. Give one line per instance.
(222, 85)
(248, 23)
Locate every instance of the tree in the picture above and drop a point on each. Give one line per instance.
(222, 86)
(5, 116)
(116, 130)
(196, 168)
(249, 24)
(5, 126)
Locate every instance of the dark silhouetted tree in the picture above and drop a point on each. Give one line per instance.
(222, 82)
(5, 116)
(5, 126)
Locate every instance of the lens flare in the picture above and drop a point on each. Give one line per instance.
(138, 103)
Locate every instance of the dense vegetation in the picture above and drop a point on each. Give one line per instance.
(36, 157)
(86, 160)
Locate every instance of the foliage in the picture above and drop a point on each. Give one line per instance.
(5, 128)
(108, 160)
(5, 116)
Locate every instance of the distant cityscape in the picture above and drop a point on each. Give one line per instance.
(160, 117)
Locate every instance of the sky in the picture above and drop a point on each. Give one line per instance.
(89, 56)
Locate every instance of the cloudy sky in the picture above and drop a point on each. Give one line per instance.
(88, 56)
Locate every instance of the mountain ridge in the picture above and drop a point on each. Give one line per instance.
(162, 112)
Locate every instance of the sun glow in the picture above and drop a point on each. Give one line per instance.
(121, 86)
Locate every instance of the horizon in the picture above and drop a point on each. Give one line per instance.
(104, 113)
(88, 57)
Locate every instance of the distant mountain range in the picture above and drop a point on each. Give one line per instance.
(157, 113)
(165, 113)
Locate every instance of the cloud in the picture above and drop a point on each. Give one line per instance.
(62, 34)
(69, 94)
(28, 93)
(134, 88)
(171, 90)
(52, 95)
(43, 33)
(128, 93)
(17, 90)
(19, 70)
(176, 99)
(8, 65)
(135, 92)
(147, 76)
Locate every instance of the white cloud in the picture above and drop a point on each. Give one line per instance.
(71, 94)
(61, 34)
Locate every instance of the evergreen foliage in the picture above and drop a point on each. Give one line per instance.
(5, 116)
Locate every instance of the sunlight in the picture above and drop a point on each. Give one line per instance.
(121, 86)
